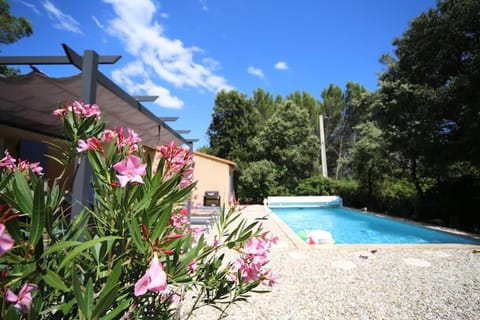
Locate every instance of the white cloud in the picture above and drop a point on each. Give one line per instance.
(97, 22)
(256, 72)
(281, 65)
(125, 77)
(203, 4)
(163, 57)
(31, 6)
(164, 15)
(61, 20)
(212, 64)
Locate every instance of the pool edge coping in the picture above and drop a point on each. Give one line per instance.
(302, 245)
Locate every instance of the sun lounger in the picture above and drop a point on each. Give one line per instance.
(204, 212)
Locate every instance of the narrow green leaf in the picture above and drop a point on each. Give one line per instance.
(105, 301)
(55, 281)
(89, 298)
(38, 214)
(82, 247)
(22, 193)
(95, 161)
(115, 312)
(134, 228)
(112, 279)
(77, 291)
(59, 246)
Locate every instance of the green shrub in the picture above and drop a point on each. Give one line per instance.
(397, 197)
(257, 181)
(317, 185)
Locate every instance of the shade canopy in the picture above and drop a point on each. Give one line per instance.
(27, 102)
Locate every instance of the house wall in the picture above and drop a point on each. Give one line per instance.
(212, 174)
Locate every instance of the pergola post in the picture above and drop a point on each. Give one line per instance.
(189, 201)
(82, 189)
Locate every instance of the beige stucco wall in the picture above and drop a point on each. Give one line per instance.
(212, 174)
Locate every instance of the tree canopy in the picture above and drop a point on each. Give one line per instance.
(12, 29)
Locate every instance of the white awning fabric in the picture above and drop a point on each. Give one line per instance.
(27, 102)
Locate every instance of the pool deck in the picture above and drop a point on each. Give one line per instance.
(428, 281)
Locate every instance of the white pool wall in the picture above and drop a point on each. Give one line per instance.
(303, 201)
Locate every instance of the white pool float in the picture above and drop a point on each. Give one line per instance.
(319, 237)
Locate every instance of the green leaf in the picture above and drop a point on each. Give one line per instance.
(113, 314)
(22, 193)
(59, 246)
(12, 313)
(134, 228)
(38, 214)
(105, 300)
(55, 281)
(112, 280)
(77, 290)
(89, 298)
(82, 247)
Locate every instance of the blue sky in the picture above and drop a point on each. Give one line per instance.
(185, 51)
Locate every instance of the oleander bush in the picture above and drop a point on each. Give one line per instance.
(130, 253)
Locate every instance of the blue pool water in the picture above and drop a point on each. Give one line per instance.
(353, 227)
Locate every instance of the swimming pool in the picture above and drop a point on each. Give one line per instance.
(353, 227)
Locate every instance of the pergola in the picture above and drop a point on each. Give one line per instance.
(27, 102)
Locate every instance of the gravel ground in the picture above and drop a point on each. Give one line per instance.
(387, 282)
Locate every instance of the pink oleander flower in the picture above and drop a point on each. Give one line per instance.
(254, 257)
(92, 143)
(24, 165)
(177, 160)
(271, 279)
(36, 168)
(61, 112)
(178, 221)
(82, 146)
(130, 143)
(23, 301)
(196, 232)
(155, 279)
(80, 109)
(183, 211)
(6, 242)
(91, 110)
(109, 135)
(8, 162)
(130, 169)
(216, 241)
(133, 137)
(192, 267)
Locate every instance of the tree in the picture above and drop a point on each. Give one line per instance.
(430, 92)
(430, 106)
(12, 29)
(264, 103)
(405, 117)
(257, 181)
(286, 141)
(233, 126)
(331, 107)
(317, 185)
(309, 103)
(358, 102)
(368, 157)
